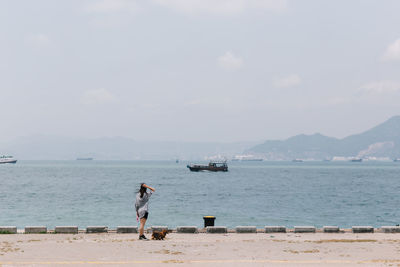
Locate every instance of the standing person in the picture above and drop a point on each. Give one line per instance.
(142, 207)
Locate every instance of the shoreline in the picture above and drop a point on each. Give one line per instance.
(268, 249)
(6, 230)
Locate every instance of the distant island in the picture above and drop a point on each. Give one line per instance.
(380, 142)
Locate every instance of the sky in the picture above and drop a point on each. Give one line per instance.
(197, 70)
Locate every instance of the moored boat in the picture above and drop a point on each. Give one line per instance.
(213, 166)
(7, 159)
(297, 160)
(252, 159)
(84, 158)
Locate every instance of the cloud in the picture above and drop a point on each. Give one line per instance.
(97, 96)
(289, 81)
(39, 39)
(392, 51)
(111, 6)
(188, 7)
(221, 7)
(380, 87)
(229, 61)
(111, 13)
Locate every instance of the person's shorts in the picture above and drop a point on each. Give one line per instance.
(146, 215)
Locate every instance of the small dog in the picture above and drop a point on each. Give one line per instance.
(157, 235)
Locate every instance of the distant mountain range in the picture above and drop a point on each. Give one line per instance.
(380, 141)
(43, 147)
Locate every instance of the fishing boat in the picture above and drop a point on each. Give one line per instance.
(7, 159)
(213, 166)
(356, 160)
(297, 160)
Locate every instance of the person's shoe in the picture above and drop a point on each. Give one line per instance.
(142, 237)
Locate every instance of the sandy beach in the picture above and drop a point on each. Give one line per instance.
(283, 249)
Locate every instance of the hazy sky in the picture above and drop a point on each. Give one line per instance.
(197, 70)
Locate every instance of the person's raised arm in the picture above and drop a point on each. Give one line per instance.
(149, 187)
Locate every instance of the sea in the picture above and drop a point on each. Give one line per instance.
(86, 193)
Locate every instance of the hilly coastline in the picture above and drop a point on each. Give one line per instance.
(43, 147)
(380, 141)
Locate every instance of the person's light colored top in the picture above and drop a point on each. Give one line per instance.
(142, 204)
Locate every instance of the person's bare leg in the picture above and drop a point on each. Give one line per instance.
(142, 223)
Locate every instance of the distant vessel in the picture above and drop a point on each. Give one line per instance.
(356, 160)
(397, 160)
(84, 159)
(297, 160)
(177, 161)
(252, 159)
(246, 158)
(7, 159)
(213, 166)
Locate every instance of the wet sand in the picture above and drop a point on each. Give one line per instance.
(291, 249)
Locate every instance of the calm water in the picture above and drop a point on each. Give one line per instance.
(252, 193)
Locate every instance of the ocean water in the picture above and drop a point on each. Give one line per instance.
(86, 193)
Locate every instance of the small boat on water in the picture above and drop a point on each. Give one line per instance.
(396, 160)
(356, 160)
(213, 166)
(7, 159)
(297, 160)
(84, 158)
(252, 159)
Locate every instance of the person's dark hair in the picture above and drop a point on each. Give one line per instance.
(142, 190)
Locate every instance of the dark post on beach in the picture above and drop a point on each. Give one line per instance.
(208, 221)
